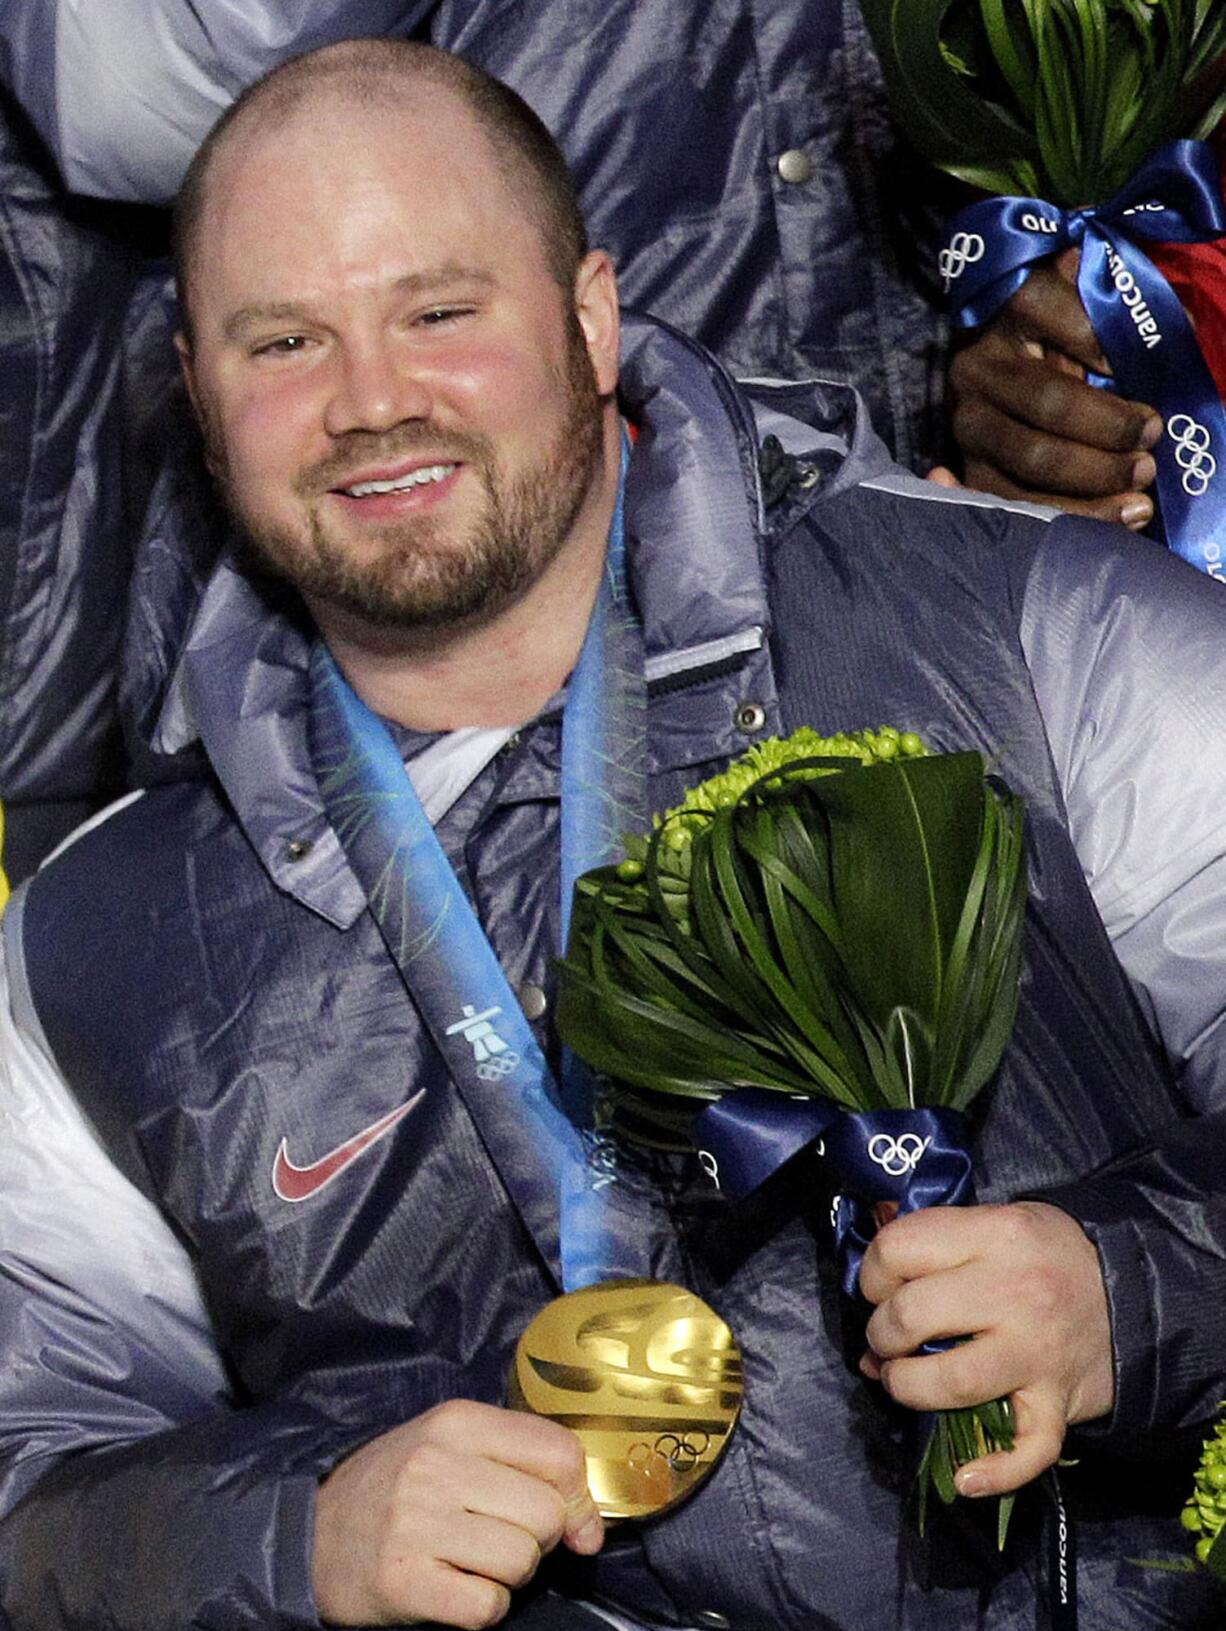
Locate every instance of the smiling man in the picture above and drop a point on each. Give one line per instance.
(275, 1200)
(421, 436)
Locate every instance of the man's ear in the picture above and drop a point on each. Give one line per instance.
(187, 368)
(597, 311)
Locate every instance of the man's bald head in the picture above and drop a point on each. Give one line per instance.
(376, 73)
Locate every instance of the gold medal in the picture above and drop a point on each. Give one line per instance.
(649, 1378)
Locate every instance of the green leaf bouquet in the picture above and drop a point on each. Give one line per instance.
(1057, 99)
(837, 918)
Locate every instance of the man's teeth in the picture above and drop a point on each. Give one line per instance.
(415, 478)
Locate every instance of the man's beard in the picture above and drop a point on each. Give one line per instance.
(419, 577)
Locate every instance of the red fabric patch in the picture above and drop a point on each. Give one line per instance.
(1197, 273)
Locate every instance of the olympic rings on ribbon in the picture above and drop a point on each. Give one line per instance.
(1192, 455)
(963, 250)
(897, 1155)
(499, 1065)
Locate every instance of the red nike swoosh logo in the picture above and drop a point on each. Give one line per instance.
(294, 1183)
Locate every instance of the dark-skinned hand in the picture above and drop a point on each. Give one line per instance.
(1028, 425)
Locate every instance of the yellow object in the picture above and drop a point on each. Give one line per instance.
(648, 1377)
(4, 883)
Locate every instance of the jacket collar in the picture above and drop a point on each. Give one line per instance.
(696, 527)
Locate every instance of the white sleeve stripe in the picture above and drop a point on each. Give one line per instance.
(21, 1003)
(908, 486)
(95, 820)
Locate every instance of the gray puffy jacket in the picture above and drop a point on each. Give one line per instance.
(186, 1350)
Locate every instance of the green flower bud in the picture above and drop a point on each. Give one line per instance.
(776, 753)
(1205, 1513)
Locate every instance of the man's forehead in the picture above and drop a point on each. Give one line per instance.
(375, 199)
(330, 139)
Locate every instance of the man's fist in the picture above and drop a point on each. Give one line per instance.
(1024, 1283)
(442, 1518)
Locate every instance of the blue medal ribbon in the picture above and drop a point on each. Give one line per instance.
(1175, 197)
(433, 933)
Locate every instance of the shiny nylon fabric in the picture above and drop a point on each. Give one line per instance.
(673, 118)
(245, 1010)
(64, 539)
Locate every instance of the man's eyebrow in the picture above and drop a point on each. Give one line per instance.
(252, 316)
(434, 280)
(438, 279)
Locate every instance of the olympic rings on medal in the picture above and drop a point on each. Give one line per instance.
(1192, 443)
(498, 1065)
(963, 250)
(678, 1453)
(897, 1155)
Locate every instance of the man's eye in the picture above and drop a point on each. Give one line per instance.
(438, 315)
(285, 345)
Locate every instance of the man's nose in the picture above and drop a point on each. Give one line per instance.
(374, 389)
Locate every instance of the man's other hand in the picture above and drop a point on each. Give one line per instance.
(442, 1518)
(1028, 425)
(1024, 1282)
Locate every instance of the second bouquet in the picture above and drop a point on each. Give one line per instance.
(1088, 119)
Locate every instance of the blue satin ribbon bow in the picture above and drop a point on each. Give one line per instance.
(915, 1158)
(1175, 197)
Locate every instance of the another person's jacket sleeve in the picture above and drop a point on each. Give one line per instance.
(123, 93)
(66, 287)
(1129, 666)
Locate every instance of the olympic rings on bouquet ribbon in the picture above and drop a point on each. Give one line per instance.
(914, 1158)
(1175, 197)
